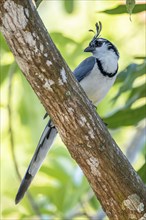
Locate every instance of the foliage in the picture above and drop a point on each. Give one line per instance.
(120, 9)
(60, 190)
(126, 115)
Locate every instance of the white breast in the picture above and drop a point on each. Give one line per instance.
(96, 85)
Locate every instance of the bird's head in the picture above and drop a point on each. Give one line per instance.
(101, 47)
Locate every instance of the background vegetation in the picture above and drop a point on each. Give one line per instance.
(60, 190)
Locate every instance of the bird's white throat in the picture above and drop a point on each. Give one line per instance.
(108, 58)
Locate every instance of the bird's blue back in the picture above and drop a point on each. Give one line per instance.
(84, 68)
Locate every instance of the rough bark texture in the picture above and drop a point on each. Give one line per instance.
(117, 186)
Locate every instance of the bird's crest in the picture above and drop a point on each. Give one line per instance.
(98, 26)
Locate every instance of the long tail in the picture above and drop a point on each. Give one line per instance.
(44, 145)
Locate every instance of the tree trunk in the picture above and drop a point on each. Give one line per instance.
(117, 186)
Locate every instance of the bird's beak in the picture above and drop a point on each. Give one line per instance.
(89, 49)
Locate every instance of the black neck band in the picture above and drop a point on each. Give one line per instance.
(103, 71)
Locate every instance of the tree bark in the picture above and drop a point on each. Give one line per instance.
(116, 184)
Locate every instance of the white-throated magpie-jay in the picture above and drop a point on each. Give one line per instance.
(96, 74)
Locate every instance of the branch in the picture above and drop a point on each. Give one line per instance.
(117, 186)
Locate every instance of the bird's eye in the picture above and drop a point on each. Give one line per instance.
(98, 43)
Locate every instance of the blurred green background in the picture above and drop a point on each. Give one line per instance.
(60, 190)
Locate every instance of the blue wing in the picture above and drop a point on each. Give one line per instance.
(84, 68)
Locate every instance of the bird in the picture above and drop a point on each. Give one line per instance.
(96, 75)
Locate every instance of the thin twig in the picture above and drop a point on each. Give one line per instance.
(12, 145)
(11, 74)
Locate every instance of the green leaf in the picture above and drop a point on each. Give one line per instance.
(57, 172)
(10, 65)
(61, 39)
(135, 94)
(94, 203)
(128, 76)
(8, 211)
(140, 57)
(68, 47)
(4, 73)
(4, 45)
(6, 70)
(126, 117)
(69, 6)
(131, 72)
(142, 172)
(130, 4)
(30, 115)
(122, 9)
